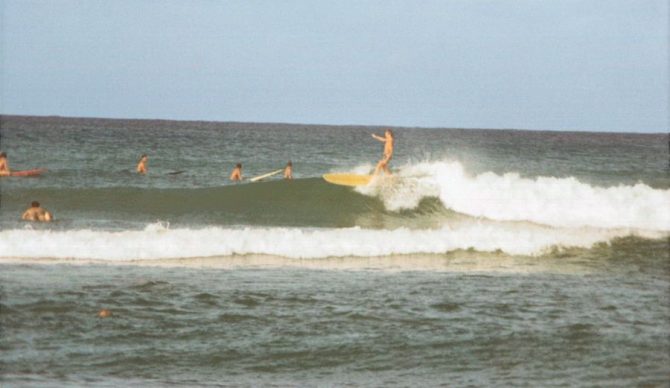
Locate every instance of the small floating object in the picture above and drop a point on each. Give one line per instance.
(104, 313)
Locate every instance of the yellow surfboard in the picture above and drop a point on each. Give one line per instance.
(348, 179)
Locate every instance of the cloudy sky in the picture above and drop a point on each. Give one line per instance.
(560, 65)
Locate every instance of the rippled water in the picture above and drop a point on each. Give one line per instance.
(494, 258)
(565, 321)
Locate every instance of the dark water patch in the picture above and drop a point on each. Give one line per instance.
(579, 332)
(357, 316)
(120, 294)
(143, 302)
(247, 301)
(48, 306)
(150, 286)
(236, 318)
(70, 293)
(6, 310)
(291, 300)
(206, 299)
(95, 287)
(446, 307)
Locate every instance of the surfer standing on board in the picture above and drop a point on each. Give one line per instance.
(4, 165)
(388, 151)
(36, 213)
(236, 175)
(142, 164)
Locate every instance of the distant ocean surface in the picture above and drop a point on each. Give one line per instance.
(492, 257)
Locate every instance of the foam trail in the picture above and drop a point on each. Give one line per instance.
(561, 202)
(157, 242)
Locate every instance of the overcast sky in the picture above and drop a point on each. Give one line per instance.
(560, 65)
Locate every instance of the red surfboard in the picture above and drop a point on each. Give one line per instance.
(33, 172)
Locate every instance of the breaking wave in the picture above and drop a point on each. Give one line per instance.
(560, 202)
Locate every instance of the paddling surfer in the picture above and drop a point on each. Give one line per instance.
(142, 164)
(388, 140)
(288, 170)
(236, 175)
(4, 165)
(37, 213)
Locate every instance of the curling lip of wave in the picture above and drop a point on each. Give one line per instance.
(560, 202)
(158, 242)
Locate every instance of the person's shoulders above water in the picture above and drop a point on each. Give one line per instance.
(37, 213)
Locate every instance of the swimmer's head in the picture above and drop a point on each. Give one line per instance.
(35, 204)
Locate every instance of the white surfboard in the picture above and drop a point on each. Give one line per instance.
(257, 178)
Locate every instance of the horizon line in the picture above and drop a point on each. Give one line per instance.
(331, 125)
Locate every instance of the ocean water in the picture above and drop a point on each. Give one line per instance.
(491, 257)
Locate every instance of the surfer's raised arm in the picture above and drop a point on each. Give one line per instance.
(377, 137)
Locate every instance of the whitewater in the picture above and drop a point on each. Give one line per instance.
(560, 202)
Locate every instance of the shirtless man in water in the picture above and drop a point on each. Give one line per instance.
(36, 213)
(4, 165)
(288, 170)
(142, 164)
(236, 175)
(388, 152)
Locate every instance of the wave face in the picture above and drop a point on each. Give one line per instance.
(419, 196)
(307, 202)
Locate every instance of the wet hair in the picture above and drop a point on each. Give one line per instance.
(143, 156)
(3, 155)
(238, 165)
(35, 204)
(289, 163)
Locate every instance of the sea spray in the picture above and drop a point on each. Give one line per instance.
(561, 202)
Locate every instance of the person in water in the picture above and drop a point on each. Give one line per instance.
(388, 140)
(236, 175)
(288, 170)
(37, 213)
(142, 164)
(4, 165)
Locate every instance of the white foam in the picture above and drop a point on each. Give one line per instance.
(562, 202)
(159, 242)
